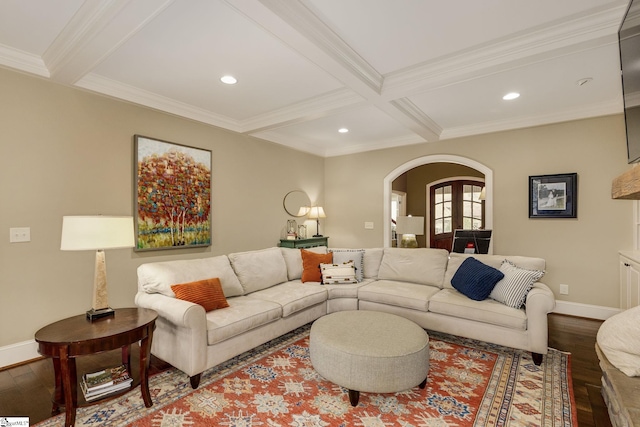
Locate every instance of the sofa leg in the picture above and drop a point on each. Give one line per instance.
(195, 381)
(537, 358)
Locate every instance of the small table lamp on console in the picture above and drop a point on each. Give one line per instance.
(80, 233)
(316, 212)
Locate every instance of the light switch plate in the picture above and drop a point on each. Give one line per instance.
(368, 225)
(19, 234)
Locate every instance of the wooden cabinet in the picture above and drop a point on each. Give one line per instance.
(629, 279)
(311, 242)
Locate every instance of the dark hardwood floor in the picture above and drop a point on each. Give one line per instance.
(26, 390)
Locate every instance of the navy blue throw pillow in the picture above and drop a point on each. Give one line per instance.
(475, 279)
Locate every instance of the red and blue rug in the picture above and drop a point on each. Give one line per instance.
(470, 383)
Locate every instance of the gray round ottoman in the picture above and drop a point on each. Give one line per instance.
(369, 351)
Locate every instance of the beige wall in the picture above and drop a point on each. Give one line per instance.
(69, 152)
(580, 252)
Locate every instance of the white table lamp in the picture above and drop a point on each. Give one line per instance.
(409, 227)
(316, 212)
(83, 233)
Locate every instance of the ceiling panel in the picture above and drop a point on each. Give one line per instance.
(183, 53)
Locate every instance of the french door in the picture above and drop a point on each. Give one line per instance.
(454, 205)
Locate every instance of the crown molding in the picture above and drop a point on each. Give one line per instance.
(310, 109)
(114, 89)
(22, 61)
(602, 109)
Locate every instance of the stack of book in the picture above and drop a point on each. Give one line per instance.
(102, 383)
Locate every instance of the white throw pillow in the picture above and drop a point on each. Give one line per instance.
(512, 290)
(619, 340)
(333, 274)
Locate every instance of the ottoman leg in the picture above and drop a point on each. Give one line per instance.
(354, 397)
(423, 384)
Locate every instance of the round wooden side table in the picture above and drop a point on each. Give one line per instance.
(77, 336)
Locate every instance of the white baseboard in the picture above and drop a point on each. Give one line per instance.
(585, 310)
(18, 352)
(28, 350)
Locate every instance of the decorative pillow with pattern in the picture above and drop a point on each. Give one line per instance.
(512, 290)
(333, 274)
(208, 293)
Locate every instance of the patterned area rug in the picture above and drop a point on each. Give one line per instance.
(471, 383)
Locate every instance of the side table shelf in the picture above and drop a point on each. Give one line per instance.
(311, 242)
(67, 339)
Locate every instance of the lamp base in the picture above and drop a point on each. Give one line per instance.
(94, 314)
(408, 241)
(318, 235)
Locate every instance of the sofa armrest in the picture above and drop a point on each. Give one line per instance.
(178, 312)
(540, 302)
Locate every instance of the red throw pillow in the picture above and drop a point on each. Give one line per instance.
(208, 293)
(311, 265)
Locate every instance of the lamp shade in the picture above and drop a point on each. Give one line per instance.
(80, 233)
(410, 225)
(316, 212)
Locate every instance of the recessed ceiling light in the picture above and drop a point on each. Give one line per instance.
(230, 80)
(343, 130)
(510, 96)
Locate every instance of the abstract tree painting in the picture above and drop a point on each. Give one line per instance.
(173, 195)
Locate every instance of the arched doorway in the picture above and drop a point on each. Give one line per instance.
(437, 158)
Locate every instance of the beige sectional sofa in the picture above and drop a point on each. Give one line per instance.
(267, 298)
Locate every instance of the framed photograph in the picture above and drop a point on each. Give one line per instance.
(553, 196)
(172, 195)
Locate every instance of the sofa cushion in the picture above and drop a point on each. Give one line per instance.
(423, 265)
(208, 293)
(452, 303)
(243, 314)
(341, 256)
(293, 296)
(259, 269)
(371, 262)
(495, 261)
(157, 277)
(619, 340)
(401, 294)
(293, 259)
(338, 273)
(345, 290)
(512, 290)
(311, 265)
(475, 279)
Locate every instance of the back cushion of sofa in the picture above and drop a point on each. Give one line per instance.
(259, 269)
(424, 266)
(372, 259)
(157, 277)
(293, 260)
(455, 260)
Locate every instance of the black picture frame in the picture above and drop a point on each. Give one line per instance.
(553, 196)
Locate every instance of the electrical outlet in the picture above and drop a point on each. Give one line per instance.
(19, 234)
(564, 289)
(368, 225)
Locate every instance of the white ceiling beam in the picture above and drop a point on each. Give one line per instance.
(95, 31)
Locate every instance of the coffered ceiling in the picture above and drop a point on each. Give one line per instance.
(393, 72)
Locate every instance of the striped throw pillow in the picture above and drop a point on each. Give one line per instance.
(208, 293)
(512, 290)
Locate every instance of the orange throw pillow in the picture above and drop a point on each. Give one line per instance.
(311, 265)
(208, 293)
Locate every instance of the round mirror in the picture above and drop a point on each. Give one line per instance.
(294, 200)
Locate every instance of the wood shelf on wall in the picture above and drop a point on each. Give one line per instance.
(627, 185)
